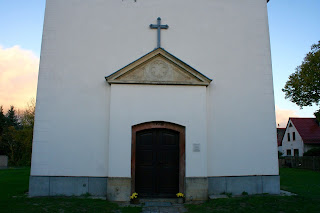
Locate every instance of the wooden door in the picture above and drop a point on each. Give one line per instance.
(157, 163)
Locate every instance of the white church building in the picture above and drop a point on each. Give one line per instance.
(129, 102)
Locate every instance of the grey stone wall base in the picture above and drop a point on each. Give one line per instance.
(249, 184)
(196, 188)
(271, 184)
(119, 189)
(67, 186)
(39, 186)
(3, 161)
(98, 186)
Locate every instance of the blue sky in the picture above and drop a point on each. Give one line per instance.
(294, 27)
(21, 23)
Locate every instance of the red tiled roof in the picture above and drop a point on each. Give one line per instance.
(280, 134)
(308, 129)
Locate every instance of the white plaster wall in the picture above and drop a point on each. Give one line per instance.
(241, 129)
(292, 144)
(85, 40)
(135, 104)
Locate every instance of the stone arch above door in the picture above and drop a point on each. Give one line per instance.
(160, 125)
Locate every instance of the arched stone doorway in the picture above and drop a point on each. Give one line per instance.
(158, 159)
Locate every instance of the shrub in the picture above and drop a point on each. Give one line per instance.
(312, 152)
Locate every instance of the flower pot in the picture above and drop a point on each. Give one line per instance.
(134, 201)
(180, 200)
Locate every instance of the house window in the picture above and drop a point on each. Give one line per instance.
(296, 152)
(293, 136)
(290, 125)
(288, 152)
(288, 136)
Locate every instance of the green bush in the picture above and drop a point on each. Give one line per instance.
(280, 154)
(312, 152)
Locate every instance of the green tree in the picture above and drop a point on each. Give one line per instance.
(303, 86)
(12, 118)
(25, 135)
(27, 117)
(2, 128)
(2, 120)
(9, 143)
(17, 134)
(12, 145)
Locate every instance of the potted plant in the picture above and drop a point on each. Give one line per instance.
(134, 198)
(180, 197)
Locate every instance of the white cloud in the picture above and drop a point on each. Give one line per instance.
(18, 76)
(282, 116)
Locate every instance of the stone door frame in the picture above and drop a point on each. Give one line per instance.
(182, 144)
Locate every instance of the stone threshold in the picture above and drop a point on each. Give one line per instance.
(286, 193)
(158, 200)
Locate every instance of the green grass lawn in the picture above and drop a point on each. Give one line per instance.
(14, 185)
(306, 184)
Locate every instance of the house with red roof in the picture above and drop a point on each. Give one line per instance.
(301, 135)
(280, 134)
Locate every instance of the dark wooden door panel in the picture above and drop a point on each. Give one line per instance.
(157, 163)
(145, 158)
(145, 184)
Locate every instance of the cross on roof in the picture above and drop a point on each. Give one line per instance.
(158, 26)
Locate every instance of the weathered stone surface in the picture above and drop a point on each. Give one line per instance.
(157, 203)
(39, 186)
(271, 184)
(161, 71)
(248, 184)
(67, 186)
(286, 193)
(212, 197)
(3, 161)
(217, 185)
(118, 189)
(196, 188)
(98, 186)
(158, 67)
(177, 208)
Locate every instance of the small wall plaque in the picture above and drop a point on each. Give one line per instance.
(196, 147)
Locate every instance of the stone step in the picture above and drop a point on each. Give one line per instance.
(170, 200)
(157, 204)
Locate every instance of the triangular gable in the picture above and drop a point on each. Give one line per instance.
(308, 129)
(158, 67)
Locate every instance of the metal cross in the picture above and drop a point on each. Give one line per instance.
(158, 26)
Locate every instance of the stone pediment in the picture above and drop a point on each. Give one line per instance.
(158, 67)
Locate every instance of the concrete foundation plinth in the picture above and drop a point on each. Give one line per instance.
(67, 186)
(119, 189)
(248, 184)
(196, 188)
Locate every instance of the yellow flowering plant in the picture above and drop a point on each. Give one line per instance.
(134, 195)
(180, 194)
